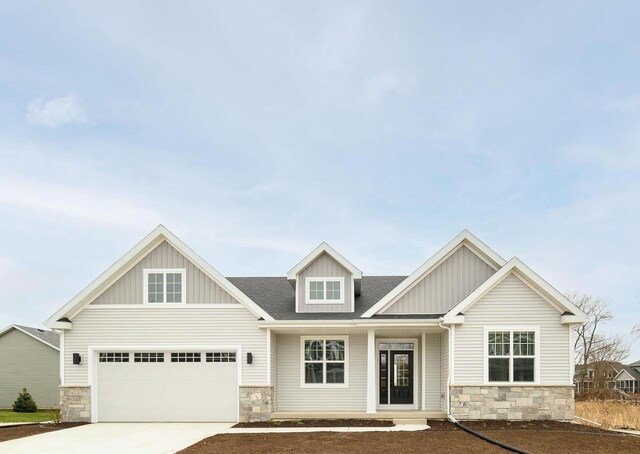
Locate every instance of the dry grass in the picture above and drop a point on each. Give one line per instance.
(611, 414)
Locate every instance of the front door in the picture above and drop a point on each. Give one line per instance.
(396, 377)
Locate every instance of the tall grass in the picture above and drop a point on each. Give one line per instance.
(611, 414)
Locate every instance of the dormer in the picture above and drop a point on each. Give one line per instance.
(324, 281)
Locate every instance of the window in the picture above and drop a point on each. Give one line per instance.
(511, 355)
(221, 357)
(164, 286)
(148, 357)
(324, 362)
(113, 357)
(325, 290)
(185, 357)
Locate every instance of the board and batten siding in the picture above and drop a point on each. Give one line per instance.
(432, 386)
(166, 326)
(28, 363)
(512, 303)
(445, 286)
(444, 369)
(291, 397)
(324, 266)
(128, 289)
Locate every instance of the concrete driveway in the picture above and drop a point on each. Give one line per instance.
(103, 438)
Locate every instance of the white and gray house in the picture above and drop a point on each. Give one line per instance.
(163, 336)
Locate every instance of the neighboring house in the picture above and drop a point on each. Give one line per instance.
(29, 358)
(162, 336)
(616, 376)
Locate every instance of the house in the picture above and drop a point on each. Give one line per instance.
(163, 336)
(29, 358)
(612, 375)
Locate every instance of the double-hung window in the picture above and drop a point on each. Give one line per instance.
(325, 290)
(511, 355)
(164, 286)
(324, 361)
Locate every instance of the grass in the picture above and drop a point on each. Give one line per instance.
(11, 416)
(611, 414)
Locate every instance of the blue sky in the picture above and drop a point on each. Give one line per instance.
(255, 130)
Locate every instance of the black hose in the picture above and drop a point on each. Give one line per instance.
(490, 440)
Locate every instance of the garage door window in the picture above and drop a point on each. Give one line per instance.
(185, 357)
(114, 357)
(221, 357)
(148, 357)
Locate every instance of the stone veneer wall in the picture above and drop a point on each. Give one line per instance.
(512, 402)
(256, 403)
(75, 403)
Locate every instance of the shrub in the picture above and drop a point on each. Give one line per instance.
(25, 403)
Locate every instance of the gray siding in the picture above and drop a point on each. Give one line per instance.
(274, 366)
(444, 369)
(445, 286)
(128, 289)
(512, 302)
(292, 397)
(28, 363)
(324, 266)
(432, 389)
(167, 326)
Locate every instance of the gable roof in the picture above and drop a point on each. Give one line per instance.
(130, 259)
(636, 364)
(49, 338)
(630, 371)
(463, 238)
(324, 248)
(542, 287)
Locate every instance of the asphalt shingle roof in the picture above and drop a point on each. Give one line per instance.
(50, 337)
(276, 296)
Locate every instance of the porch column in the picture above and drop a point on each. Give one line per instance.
(423, 361)
(371, 371)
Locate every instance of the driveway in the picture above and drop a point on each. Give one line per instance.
(103, 438)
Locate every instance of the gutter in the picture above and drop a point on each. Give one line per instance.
(418, 323)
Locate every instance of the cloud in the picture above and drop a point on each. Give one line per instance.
(385, 83)
(55, 112)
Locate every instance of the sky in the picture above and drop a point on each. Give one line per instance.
(256, 130)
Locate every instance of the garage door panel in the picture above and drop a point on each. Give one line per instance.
(167, 391)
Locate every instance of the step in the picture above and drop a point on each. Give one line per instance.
(415, 421)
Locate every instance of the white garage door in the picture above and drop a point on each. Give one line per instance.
(167, 386)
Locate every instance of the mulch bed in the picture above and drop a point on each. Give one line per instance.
(11, 433)
(537, 437)
(318, 423)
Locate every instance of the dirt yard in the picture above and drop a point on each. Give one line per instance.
(540, 437)
(611, 414)
(10, 433)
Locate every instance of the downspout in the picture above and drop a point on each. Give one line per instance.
(451, 418)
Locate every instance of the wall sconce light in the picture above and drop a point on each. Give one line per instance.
(77, 359)
(249, 358)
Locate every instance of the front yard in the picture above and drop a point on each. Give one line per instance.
(541, 437)
(11, 416)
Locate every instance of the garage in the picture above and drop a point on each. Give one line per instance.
(166, 386)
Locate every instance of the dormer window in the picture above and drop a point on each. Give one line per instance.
(164, 286)
(326, 290)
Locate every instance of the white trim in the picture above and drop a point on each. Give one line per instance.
(323, 248)
(307, 290)
(572, 354)
(164, 272)
(530, 278)
(372, 383)
(404, 323)
(423, 355)
(623, 371)
(463, 238)
(269, 356)
(130, 259)
(536, 356)
(61, 358)
(324, 385)
(10, 327)
(416, 343)
(452, 352)
(151, 306)
(92, 365)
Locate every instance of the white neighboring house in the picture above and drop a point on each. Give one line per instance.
(162, 336)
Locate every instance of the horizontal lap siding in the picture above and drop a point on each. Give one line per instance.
(167, 326)
(292, 397)
(128, 289)
(324, 266)
(445, 286)
(512, 302)
(432, 390)
(444, 369)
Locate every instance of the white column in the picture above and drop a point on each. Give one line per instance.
(371, 371)
(423, 350)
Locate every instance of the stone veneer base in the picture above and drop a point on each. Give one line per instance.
(256, 403)
(513, 402)
(75, 403)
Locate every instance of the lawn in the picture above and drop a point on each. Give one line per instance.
(11, 416)
(611, 414)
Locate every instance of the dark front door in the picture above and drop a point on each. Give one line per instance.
(401, 377)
